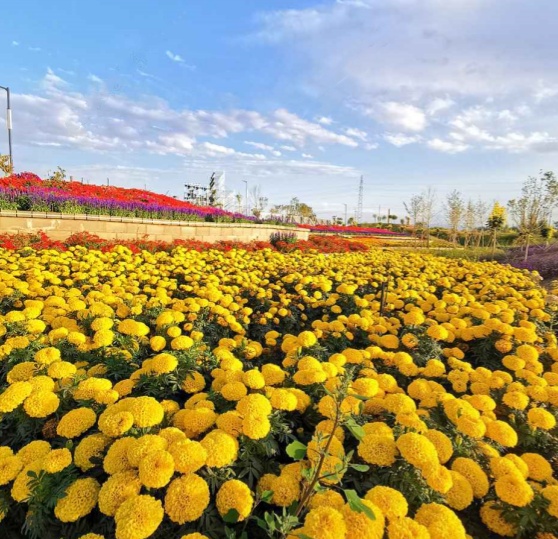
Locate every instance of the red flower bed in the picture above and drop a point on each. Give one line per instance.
(39, 241)
(350, 229)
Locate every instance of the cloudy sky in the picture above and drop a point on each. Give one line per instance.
(300, 97)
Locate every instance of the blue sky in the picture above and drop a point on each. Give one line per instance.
(298, 97)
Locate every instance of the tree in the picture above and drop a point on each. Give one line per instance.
(539, 195)
(238, 198)
(455, 208)
(5, 166)
(496, 222)
(427, 211)
(414, 209)
(469, 220)
(259, 202)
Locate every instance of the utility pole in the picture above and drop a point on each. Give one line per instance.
(9, 124)
(345, 214)
(358, 213)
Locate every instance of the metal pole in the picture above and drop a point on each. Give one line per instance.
(9, 124)
(345, 214)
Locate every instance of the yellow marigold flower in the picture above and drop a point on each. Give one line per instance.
(440, 521)
(460, 495)
(33, 451)
(513, 489)
(115, 424)
(41, 404)
(256, 427)
(42, 383)
(286, 490)
(273, 374)
(147, 412)
(14, 395)
(417, 450)
(182, 342)
(61, 369)
(231, 423)
(495, 522)
(539, 468)
(253, 379)
(516, 400)
(46, 356)
(163, 363)
(138, 517)
(173, 332)
(157, 343)
(283, 399)
(124, 387)
(390, 501)
(539, 418)
(80, 499)
(91, 536)
(20, 488)
(91, 446)
(101, 338)
(442, 443)
(234, 391)
(360, 526)
(469, 469)
(525, 335)
(325, 523)
(306, 339)
(76, 422)
(326, 498)
(471, 426)
(156, 469)
(20, 373)
(406, 528)
(222, 448)
(379, 450)
(10, 467)
(254, 404)
(117, 489)
(57, 460)
(236, 495)
(189, 456)
(193, 383)
(133, 328)
(172, 434)
(502, 433)
(198, 420)
(102, 323)
(194, 535)
(551, 494)
(187, 498)
(438, 478)
(116, 459)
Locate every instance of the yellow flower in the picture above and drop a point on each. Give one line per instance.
(471, 471)
(90, 447)
(502, 433)
(379, 450)
(390, 501)
(156, 469)
(460, 495)
(513, 489)
(221, 448)
(138, 517)
(360, 526)
(14, 395)
(76, 422)
(254, 404)
(539, 418)
(80, 499)
(495, 522)
(407, 528)
(539, 468)
(236, 495)
(186, 499)
(46, 356)
(234, 391)
(417, 450)
(189, 456)
(147, 411)
(41, 403)
(286, 490)
(306, 339)
(193, 383)
(442, 443)
(551, 494)
(10, 466)
(116, 459)
(325, 523)
(440, 521)
(57, 460)
(117, 489)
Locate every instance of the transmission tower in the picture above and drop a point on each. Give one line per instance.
(360, 199)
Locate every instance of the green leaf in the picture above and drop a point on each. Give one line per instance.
(296, 450)
(355, 429)
(360, 467)
(231, 517)
(355, 503)
(266, 496)
(302, 535)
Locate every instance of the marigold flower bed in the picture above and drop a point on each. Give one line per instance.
(239, 394)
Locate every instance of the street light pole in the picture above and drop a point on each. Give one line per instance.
(345, 214)
(246, 196)
(9, 123)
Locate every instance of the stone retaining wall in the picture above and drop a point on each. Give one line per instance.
(59, 226)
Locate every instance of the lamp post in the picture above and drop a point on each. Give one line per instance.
(9, 123)
(246, 196)
(345, 214)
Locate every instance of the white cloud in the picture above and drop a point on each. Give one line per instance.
(401, 139)
(324, 120)
(34, 49)
(15, 43)
(371, 146)
(307, 156)
(94, 78)
(446, 146)
(402, 115)
(356, 133)
(174, 57)
(439, 104)
(259, 145)
(288, 148)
